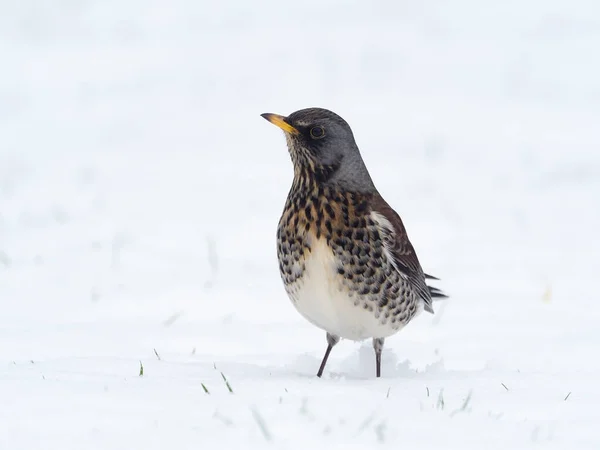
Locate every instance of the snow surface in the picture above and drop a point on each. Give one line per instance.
(140, 191)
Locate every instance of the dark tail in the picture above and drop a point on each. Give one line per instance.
(436, 294)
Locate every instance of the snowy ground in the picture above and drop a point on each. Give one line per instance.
(140, 191)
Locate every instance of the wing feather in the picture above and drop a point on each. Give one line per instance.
(399, 250)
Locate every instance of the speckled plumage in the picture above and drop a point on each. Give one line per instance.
(343, 223)
(344, 256)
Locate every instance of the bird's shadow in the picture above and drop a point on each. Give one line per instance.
(357, 366)
(360, 365)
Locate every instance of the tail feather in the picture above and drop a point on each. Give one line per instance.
(436, 294)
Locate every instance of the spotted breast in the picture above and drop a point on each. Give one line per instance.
(336, 266)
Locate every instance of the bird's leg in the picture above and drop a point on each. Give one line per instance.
(332, 339)
(378, 346)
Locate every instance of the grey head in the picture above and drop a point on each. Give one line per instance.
(322, 146)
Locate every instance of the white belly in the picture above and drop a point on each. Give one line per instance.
(322, 299)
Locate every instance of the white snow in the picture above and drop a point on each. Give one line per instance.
(140, 192)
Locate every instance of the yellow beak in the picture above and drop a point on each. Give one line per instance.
(279, 121)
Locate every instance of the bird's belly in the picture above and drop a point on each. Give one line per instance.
(321, 297)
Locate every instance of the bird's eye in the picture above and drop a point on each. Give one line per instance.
(317, 132)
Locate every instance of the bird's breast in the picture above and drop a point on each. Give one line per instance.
(324, 297)
(334, 269)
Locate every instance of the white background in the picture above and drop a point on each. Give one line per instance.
(140, 192)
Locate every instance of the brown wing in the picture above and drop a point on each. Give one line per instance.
(400, 250)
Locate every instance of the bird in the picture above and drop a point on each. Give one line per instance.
(345, 258)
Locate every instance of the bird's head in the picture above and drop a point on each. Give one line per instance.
(322, 146)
